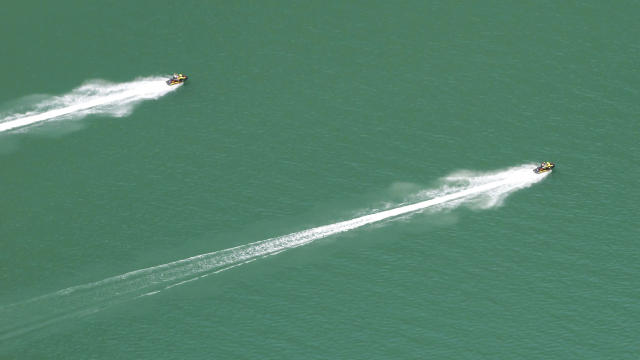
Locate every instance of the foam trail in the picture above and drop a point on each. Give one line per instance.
(482, 190)
(95, 97)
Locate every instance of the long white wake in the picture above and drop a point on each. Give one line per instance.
(481, 190)
(94, 97)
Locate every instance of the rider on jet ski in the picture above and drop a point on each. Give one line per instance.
(177, 79)
(544, 167)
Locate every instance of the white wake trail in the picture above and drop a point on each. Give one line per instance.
(94, 97)
(481, 190)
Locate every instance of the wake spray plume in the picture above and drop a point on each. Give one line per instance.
(478, 190)
(94, 97)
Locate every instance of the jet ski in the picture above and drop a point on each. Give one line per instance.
(544, 167)
(177, 79)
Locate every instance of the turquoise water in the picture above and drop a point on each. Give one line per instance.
(301, 115)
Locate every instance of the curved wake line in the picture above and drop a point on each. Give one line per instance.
(483, 190)
(95, 97)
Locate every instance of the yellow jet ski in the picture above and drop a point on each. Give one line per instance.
(177, 79)
(544, 167)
